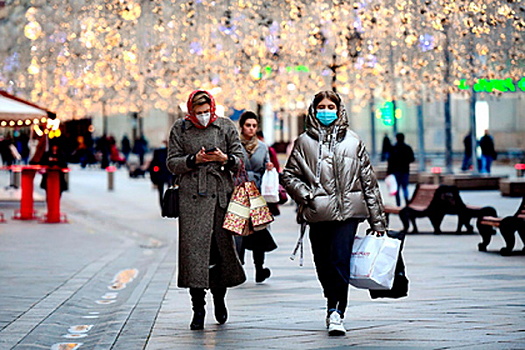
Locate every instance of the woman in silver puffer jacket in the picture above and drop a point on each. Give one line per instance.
(330, 177)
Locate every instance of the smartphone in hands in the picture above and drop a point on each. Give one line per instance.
(210, 150)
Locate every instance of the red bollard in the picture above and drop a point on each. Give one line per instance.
(111, 171)
(520, 169)
(436, 171)
(53, 215)
(26, 211)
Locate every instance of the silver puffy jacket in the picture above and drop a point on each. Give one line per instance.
(330, 176)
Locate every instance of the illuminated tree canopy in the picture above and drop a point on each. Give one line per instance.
(136, 55)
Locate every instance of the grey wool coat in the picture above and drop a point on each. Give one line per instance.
(205, 192)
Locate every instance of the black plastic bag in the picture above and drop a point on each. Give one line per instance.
(400, 287)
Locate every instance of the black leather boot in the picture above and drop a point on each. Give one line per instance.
(198, 301)
(261, 273)
(221, 313)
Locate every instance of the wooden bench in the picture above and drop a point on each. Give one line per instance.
(507, 226)
(413, 175)
(472, 182)
(420, 199)
(512, 187)
(434, 202)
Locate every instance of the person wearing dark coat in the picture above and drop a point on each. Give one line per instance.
(488, 152)
(385, 148)
(401, 155)
(467, 155)
(205, 151)
(256, 160)
(125, 147)
(158, 171)
(140, 147)
(54, 157)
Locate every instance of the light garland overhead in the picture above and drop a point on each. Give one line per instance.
(149, 54)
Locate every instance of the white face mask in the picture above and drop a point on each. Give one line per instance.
(204, 118)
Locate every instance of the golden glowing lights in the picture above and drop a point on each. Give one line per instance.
(34, 68)
(33, 30)
(131, 11)
(139, 55)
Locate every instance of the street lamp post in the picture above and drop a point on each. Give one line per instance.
(371, 103)
(447, 113)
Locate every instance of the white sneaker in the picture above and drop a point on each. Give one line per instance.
(335, 326)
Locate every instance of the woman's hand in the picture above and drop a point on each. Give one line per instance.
(215, 156)
(269, 166)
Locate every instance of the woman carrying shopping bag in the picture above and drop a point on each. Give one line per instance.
(204, 151)
(330, 177)
(257, 161)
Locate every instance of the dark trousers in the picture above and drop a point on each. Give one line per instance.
(402, 185)
(332, 247)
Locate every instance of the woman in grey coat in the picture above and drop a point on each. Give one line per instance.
(329, 175)
(204, 150)
(256, 160)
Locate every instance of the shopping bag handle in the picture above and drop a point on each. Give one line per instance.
(376, 233)
(241, 175)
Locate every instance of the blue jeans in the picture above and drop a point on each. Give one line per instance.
(467, 162)
(486, 162)
(402, 185)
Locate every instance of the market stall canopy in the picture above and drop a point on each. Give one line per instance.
(14, 108)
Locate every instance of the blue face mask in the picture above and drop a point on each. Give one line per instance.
(326, 116)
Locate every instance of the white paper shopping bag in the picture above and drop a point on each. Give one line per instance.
(373, 261)
(270, 186)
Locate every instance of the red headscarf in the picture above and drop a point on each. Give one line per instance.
(191, 115)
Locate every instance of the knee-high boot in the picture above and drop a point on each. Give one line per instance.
(198, 300)
(221, 313)
(261, 273)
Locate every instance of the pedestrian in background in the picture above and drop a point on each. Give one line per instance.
(54, 158)
(467, 154)
(385, 148)
(401, 155)
(125, 147)
(140, 147)
(257, 161)
(204, 151)
(6, 150)
(330, 177)
(274, 207)
(115, 156)
(159, 174)
(273, 153)
(103, 151)
(488, 152)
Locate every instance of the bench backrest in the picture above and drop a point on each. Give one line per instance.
(521, 210)
(423, 196)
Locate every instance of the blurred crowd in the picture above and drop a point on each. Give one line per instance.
(18, 148)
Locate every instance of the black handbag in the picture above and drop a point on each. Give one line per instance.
(170, 203)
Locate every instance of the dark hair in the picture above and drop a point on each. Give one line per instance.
(332, 96)
(247, 115)
(400, 137)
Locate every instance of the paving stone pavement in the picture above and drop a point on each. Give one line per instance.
(107, 280)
